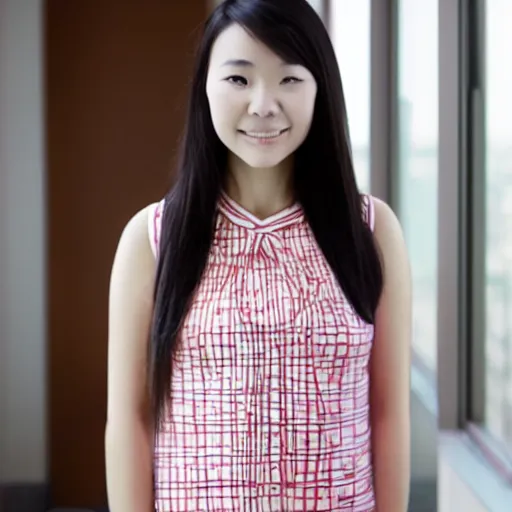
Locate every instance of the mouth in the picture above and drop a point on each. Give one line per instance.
(265, 136)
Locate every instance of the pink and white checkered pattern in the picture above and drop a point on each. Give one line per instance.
(271, 385)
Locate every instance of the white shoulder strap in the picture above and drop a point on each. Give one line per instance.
(155, 212)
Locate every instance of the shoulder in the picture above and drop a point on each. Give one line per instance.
(136, 228)
(391, 244)
(387, 228)
(135, 243)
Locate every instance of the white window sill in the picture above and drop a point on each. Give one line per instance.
(458, 451)
(463, 457)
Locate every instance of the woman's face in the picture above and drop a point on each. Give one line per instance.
(261, 107)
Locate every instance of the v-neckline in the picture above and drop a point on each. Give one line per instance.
(239, 215)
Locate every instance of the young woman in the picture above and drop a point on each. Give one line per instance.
(260, 314)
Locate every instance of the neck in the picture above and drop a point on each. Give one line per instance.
(261, 191)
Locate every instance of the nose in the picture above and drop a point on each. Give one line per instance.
(264, 103)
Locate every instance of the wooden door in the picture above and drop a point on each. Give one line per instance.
(116, 81)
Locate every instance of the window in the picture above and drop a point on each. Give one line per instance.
(416, 184)
(350, 31)
(498, 220)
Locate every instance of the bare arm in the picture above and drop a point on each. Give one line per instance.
(129, 429)
(390, 368)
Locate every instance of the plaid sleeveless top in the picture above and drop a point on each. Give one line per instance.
(271, 381)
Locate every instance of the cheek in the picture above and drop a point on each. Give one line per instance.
(224, 108)
(301, 109)
(309, 105)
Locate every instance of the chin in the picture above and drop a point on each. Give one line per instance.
(262, 161)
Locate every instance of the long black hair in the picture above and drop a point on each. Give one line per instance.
(324, 181)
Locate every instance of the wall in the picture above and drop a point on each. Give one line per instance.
(112, 83)
(22, 246)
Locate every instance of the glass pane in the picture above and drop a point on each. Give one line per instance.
(350, 29)
(498, 99)
(418, 152)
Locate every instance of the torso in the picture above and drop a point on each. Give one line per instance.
(271, 382)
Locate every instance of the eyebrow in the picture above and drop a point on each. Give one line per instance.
(242, 63)
(239, 63)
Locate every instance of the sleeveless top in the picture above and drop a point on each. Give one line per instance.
(270, 388)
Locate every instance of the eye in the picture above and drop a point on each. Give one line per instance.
(291, 80)
(237, 80)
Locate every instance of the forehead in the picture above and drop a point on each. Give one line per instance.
(235, 43)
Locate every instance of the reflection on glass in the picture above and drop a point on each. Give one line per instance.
(350, 29)
(418, 155)
(498, 295)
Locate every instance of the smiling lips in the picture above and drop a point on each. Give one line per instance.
(265, 137)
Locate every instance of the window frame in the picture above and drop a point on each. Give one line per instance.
(496, 452)
(455, 394)
(461, 202)
(462, 193)
(452, 228)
